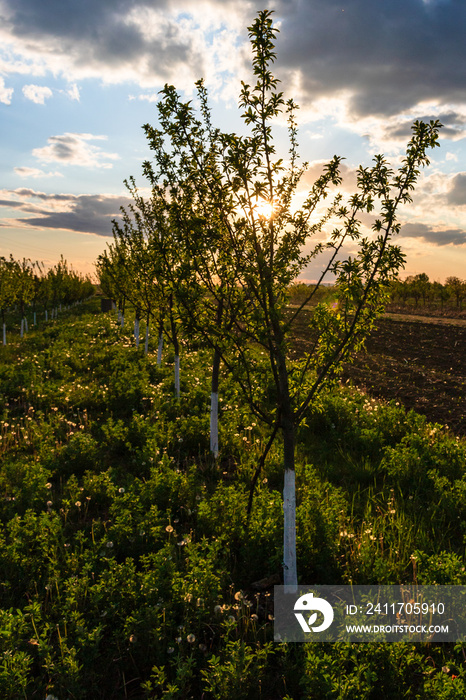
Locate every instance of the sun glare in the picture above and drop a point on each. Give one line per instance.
(264, 209)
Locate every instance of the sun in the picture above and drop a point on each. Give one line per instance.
(264, 209)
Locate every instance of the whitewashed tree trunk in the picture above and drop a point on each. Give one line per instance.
(177, 376)
(290, 575)
(214, 404)
(136, 331)
(146, 344)
(214, 424)
(4, 334)
(22, 328)
(46, 315)
(160, 349)
(122, 320)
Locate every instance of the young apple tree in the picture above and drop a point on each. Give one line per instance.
(231, 202)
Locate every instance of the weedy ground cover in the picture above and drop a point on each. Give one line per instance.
(129, 567)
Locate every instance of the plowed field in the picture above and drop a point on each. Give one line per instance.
(421, 363)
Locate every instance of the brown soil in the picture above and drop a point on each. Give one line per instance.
(420, 363)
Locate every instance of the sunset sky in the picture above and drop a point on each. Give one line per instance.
(79, 79)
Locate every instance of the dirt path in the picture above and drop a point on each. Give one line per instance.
(442, 320)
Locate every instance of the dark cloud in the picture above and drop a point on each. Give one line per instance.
(457, 193)
(453, 236)
(83, 213)
(453, 126)
(100, 34)
(390, 54)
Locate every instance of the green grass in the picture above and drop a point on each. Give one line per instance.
(126, 555)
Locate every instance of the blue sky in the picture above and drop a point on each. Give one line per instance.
(78, 79)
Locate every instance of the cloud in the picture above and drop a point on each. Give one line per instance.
(436, 236)
(378, 58)
(37, 93)
(383, 57)
(85, 213)
(457, 193)
(453, 125)
(149, 42)
(5, 93)
(73, 92)
(75, 149)
(35, 172)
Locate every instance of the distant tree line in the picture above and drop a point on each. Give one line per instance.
(27, 288)
(418, 290)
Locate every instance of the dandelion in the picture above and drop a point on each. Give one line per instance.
(254, 617)
(78, 504)
(133, 639)
(191, 638)
(170, 650)
(48, 485)
(169, 528)
(238, 595)
(218, 609)
(121, 490)
(109, 544)
(202, 647)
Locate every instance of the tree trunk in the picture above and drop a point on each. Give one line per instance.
(290, 573)
(177, 376)
(136, 329)
(160, 347)
(4, 333)
(214, 404)
(146, 344)
(176, 347)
